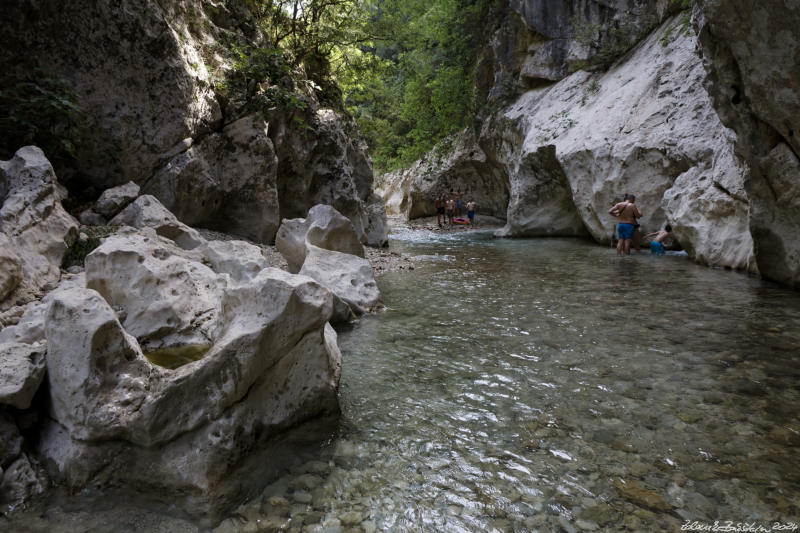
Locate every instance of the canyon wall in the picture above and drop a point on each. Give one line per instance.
(563, 135)
(154, 85)
(753, 62)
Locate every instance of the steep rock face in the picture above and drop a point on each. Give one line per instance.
(147, 75)
(535, 41)
(645, 127)
(753, 61)
(225, 181)
(570, 150)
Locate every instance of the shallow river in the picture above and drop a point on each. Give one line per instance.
(522, 385)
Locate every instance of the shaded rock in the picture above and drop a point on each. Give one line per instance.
(636, 494)
(21, 480)
(758, 98)
(10, 440)
(347, 276)
(147, 212)
(541, 201)
(328, 167)
(535, 42)
(88, 217)
(465, 166)
(324, 227)
(225, 182)
(115, 199)
(22, 369)
(37, 228)
(10, 268)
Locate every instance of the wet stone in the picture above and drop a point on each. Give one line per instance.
(301, 497)
(638, 495)
(306, 482)
(352, 518)
(784, 436)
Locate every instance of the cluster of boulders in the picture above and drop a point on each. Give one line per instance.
(168, 358)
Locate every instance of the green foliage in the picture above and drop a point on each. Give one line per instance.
(683, 27)
(76, 254)
(591, 89)
(259, 79)
(408, 79)
(38, 108)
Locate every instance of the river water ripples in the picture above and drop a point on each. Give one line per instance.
(548, 385)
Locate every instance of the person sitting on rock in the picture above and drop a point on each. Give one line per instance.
(657, 244)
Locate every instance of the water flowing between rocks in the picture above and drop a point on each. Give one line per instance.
(518, 385)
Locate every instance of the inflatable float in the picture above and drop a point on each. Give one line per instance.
(460, 221)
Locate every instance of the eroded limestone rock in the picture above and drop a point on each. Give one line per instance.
(165, 300)
(324, 227)
(115, 199)
(36, 227)
(349, 277)
(21, 372)
(134, 397)
(147, 212)
(753, 63)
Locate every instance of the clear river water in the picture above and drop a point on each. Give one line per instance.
(548, 385)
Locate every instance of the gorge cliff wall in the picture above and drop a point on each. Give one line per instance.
(699, 128)
(155, 85)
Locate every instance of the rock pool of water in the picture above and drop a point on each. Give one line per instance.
(521, 385)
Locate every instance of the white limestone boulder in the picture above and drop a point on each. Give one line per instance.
(181, 364)
(36, 227)
(22, 369)
(115, 199)
(324, 227)
(164, 299)
(241, 260)
(347, 276)
(147, 212)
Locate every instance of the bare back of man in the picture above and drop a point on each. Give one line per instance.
(628, 212)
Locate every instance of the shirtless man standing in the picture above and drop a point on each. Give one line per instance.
(439, 203)
(450, 209)
(627, 212)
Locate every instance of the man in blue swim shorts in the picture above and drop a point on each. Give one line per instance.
(657, 244)
(471, 211)
(628, 212)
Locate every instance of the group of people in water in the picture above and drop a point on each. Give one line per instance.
(628, 228)
(450, 209)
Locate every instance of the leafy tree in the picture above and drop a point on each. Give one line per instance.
(39, 108)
